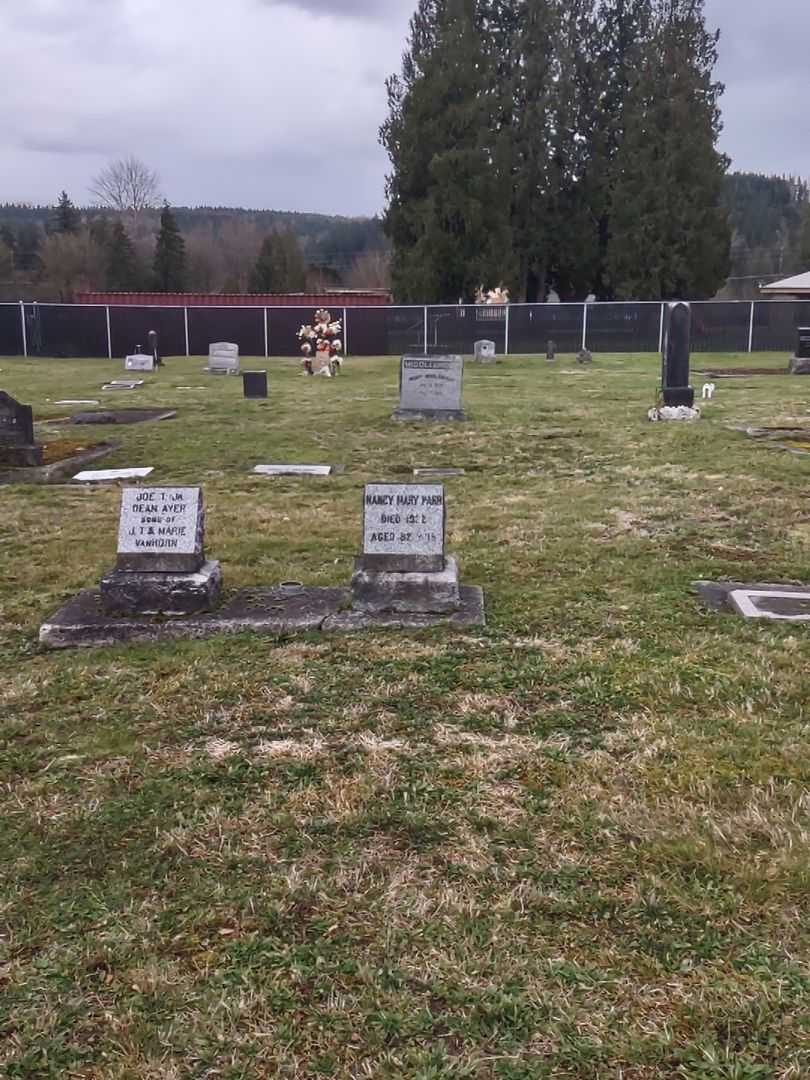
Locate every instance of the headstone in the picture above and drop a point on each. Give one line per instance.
(485, 352)
(161, 567)
(139, 362)
(17, 447)
(223, 358)
(584, 356)
(675, 356)
(254, 384)
(152, 338)
(430, 388)
(293, 470)
(551, 350)
(781, 605)
(93, 476)
(800, 363)
(403, 567)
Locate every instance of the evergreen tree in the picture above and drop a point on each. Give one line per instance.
(170, 254)
(280, 266)
(122, 268)
(669, 234)
(66, 218)
(448, 213)
(804, 241)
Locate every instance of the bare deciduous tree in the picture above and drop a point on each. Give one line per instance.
(127, 185)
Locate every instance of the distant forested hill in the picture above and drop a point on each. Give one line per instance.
(770, 220)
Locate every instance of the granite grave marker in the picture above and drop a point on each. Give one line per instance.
(484, 352)
(161, 567)
(17, 447)
(800, 363)
(223, 358)
(430, 388)
(403, 566)
(675, 356)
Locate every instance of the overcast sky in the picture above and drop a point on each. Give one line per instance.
(274, 104)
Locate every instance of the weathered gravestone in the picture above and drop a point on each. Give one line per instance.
(223, 358)
(161, 567)
(551, 350)
(403, 567)
(154, 349)
(484, 352)
(139, 362)
(430, 388)
(800, 363)
(675, 357)
(17, 447)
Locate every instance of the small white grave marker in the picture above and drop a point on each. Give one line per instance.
(293, 470)
(781, 605)
(91, 475)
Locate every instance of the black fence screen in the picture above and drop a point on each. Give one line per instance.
(533, 326)
(11, 339)
(717, 326)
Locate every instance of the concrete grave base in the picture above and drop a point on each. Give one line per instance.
(761, 600)
(130, 592)
(674, 412)
(122, 416)
(58, 470)
(429, 414)
(377, 592)
(83, 623)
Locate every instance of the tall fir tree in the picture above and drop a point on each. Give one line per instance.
(66, 218)
(669, 233)
(448, 213)
(170, 254)
(122, 263)
(280, 266)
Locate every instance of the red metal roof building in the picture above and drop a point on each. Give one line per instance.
(337, 298)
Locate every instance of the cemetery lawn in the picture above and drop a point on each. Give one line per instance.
(571, 844)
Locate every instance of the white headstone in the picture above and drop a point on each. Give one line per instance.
(90, 475)
(403, 527)
(139, 362)
(223, 358)
(485, 351)
(161, 529)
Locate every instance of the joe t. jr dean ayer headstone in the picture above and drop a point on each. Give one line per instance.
(430, 388)
(403, 567)
(161, 567)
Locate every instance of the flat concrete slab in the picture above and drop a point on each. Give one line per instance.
(102, 476)
(122, 416)
(759, 600)
(280, 610)
(58, 470)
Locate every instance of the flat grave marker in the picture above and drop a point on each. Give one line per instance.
(780, 605)
(293, 470)
(92, 476)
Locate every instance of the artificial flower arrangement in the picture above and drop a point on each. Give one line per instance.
(321, 345)
(499, 295)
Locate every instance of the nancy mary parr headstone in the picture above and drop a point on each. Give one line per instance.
(17, 447)
(403, 567)
(430, 388)
(161, 567)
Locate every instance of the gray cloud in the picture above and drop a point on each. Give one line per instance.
(260, 103)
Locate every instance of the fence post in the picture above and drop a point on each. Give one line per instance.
(345, 331)
(109, 335)
(751, 328)
(185, 323)
(584, 326)
(506, 333)
(266, 337)
(22, 324)
(425, 350)
(661, 331)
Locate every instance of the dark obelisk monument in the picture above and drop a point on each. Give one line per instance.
(675, 356)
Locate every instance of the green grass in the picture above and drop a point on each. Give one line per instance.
(573, 844)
